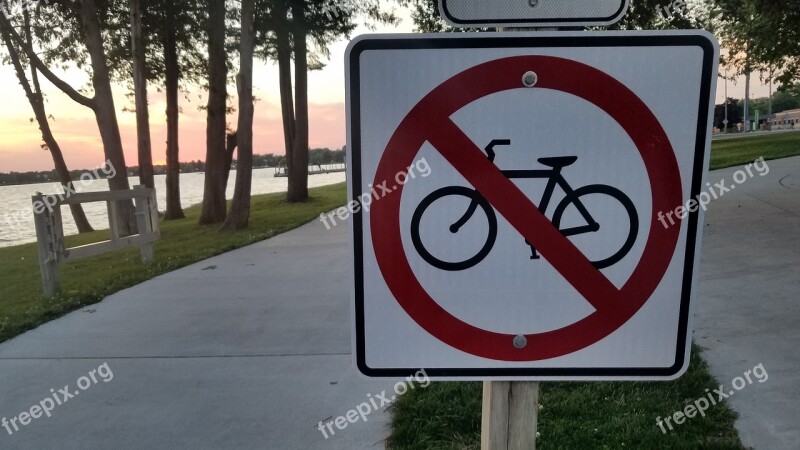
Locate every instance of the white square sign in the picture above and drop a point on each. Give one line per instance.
(532, 13)
(514, 199)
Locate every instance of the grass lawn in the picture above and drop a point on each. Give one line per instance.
(738, 151)
(574, 415)
(183, 242)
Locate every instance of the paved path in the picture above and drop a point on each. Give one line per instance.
(250, 349)
(748, 309)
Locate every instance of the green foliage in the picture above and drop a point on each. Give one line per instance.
(425, 14)
(785, 100)
(651, 15)
(762, 35)
(317, 156)
(189, 20)
(183, 242)
(326, 156)
(734, 114)
(325, 21)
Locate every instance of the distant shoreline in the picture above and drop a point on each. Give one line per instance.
(317, 156)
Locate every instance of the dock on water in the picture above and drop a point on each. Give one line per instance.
(318, 169)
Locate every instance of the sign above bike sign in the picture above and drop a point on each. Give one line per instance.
(534, 249)
(532, 13)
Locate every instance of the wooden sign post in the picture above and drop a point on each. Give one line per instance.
(510, 415)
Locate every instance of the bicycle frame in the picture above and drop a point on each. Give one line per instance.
(554, 177)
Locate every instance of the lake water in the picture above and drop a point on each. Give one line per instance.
(16, 216)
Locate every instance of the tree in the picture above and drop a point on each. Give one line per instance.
(85, 14)
(783, 101)
(104, 109)
(239, 214)
(762, 35)
(182, 60)
(36, 99)
(214, 204)
(734, 116)
(172, 76)
(652, 15)
(146, 176)
(284, 58)
(285, 32)
(172, 35)
(298, 167)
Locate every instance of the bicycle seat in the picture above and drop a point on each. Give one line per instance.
(558, 161)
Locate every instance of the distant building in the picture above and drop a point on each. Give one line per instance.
(786, 120)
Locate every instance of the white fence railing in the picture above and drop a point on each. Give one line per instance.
(50, 230)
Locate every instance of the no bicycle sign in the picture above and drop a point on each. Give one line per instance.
(534, 249)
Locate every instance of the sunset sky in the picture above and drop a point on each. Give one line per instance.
(75, 128)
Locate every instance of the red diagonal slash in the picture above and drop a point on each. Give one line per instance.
(523, 215)
(430, 121)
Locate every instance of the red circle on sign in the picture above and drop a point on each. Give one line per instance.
(429, 121)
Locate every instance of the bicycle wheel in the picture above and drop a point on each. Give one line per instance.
(599, 189)
(451, 191)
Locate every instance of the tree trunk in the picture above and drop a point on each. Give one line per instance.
(285, 81)
(298, 175)
(214, 193)
(231, 141)
(105, 112)
(174, 209)
(78, 215)
(146, 177)
(240, 209)
(37, 104)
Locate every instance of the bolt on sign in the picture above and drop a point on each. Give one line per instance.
(533, 251)
(532, 13)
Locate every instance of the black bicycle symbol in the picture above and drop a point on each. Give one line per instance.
(555, 178)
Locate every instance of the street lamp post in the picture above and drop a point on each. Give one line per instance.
(746, 99)
(725, 122)
(769, 116)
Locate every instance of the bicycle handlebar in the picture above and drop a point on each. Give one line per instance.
(493, 144)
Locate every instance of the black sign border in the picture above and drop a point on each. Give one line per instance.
(526, 41)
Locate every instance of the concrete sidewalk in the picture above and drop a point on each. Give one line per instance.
(748, 304)
(250, 349)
